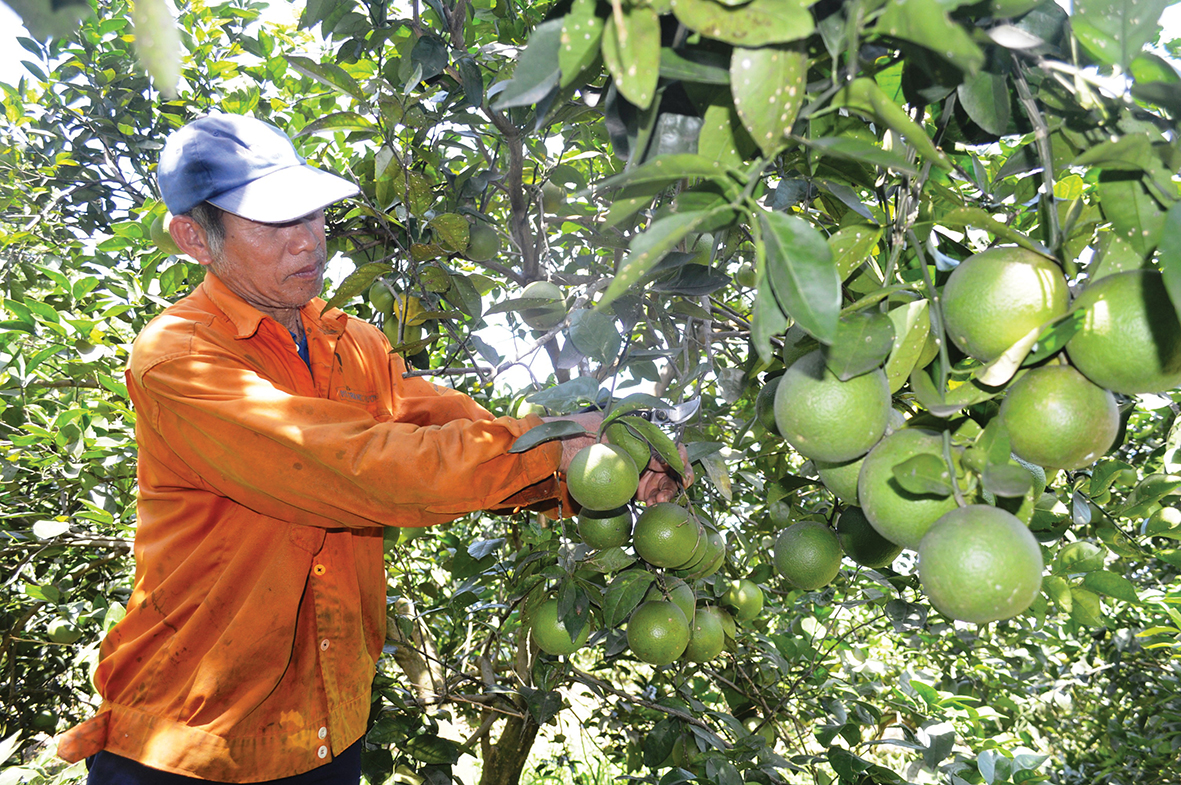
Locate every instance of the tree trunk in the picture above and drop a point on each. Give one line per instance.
(505, 760)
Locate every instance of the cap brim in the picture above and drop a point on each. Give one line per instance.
(285, 195)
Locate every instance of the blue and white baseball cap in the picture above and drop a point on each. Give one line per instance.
(245, 167)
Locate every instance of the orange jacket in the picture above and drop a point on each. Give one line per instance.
(258, 612)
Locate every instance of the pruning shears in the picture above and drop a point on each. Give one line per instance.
(671, 415)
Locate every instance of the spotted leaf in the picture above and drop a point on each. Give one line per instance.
(768, 87)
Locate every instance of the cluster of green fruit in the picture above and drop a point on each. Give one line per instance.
(678, 551)
(977, 562)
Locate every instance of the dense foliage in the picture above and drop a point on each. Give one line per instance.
(718, 188)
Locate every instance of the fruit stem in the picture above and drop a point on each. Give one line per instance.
(936, 309)
(955, 482)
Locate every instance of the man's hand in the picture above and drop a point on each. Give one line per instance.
(658, 482)
(572, 445)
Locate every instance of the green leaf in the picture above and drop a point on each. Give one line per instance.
(863, 96)
(594, 334)
(357, 282)
(582, 34)
(430, 54)
(767, 321)
(1115, 31)
(912, 326)
(537, 69)
(1078, 557)
(753, 24)
(801, 273)
(1085, 608)
(925, 23)
(1007, 479)
(668, 169)
(1055, 336)
(723, 138)
(464, 296)
(1111, 584)
(851, 245)
(981, 219)
(329, 74)
(609, 560)
(567, 396)
(702, 67)
(1135, 215)
(1169, 254)
(649, 248)
(924, 474)
(768, 86)
(546, 432)
(1147, 493)
(631, 52)
(451, 231)
(853, 149)
(623, 595)
(664, 446)
(863, 340)
(985, 97)
(338, 121)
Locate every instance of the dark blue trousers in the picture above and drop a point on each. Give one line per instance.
(109, 769)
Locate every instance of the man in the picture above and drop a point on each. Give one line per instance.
(275, 442)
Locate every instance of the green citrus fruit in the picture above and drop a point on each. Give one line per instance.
(62, 631)
(744, 598)
(677, 592)
(411, 333)
(550, 634)
(658, 632)
(755, 725)
(1130, 340)
(827, 419)
(45, 719)
(765, 406)
(746, 276)
(980, 564)
(483, 243)
(707, 634)
(710, 561)
(841, 478)
(898, 515)
(808, 554)
(993, 299)
(1056, 418)
(381, 297)
(620, 435)
(666, 536)
(609, 529)
(861, 542)
(547, 315)
(525, 408)
(553, 196)
(602, 477)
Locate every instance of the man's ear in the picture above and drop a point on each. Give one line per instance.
(190, 238)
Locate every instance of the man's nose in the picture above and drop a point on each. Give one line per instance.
(304, 235)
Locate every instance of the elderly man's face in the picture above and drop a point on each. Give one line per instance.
(273, 266)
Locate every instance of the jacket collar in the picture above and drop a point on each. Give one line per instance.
(246, 318)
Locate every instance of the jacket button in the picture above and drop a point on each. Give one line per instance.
(319, 569)
(323, 733)
(324, 645)
(322, 752)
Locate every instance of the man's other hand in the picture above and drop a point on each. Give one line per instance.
(658, 481)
